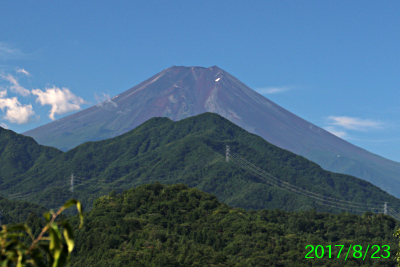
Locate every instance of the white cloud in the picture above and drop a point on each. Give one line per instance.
(3, 92)
(23, 71)
(352, 123)
(15, 111)
(15, 85)
(339, 125)
(8, 52)
(335, 131)
(61, 100)
(2, 124)
(272, 90)
(104, 100)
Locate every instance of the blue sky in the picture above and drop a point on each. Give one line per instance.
(333, 63)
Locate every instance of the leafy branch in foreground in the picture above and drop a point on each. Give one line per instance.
(57, 249)
(397, 234)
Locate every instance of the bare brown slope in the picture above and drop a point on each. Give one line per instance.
(181, 92)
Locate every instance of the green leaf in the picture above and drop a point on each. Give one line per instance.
(56, 229)
(69, 236)
(4, 263)
(20, 258)
(55, 243)
(56, 254)
(47, 216)
(78, 204)
(21, 227)
(79, 207)
(70, 203)
(63, 258)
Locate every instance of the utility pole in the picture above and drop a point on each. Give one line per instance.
(72, 183)
(385, 208)
(227, 153)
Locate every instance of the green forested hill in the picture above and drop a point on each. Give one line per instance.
(158, 225)
(18, 211)
(190, 151)
(13, 212)
(18, 153)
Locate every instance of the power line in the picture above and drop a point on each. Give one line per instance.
(317, 199)
(320, 199)
(22, 195)
(205, 160)
(284, 183)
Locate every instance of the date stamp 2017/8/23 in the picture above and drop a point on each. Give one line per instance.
(356, 251)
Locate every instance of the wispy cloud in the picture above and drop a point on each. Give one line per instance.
(15, 86)
(61, 100)
(352, 123)
(9, 52)
(272, 90)
(23, 71)
(104, 100)
(15, 111)
(2, 124)
(340, 125)
(338, 133)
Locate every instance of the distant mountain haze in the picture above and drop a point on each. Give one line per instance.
(181, 92)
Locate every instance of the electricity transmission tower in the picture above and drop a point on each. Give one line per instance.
(227, 153)
(72, 183)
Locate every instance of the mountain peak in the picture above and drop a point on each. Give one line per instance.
(212, 68)
(180, 92)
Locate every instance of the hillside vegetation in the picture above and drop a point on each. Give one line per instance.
(159, 225)
(19, 153)
(19, 211)
(189, 151)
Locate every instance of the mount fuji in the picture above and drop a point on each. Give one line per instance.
(180, 92)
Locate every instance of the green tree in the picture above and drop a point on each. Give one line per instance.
(57, 249)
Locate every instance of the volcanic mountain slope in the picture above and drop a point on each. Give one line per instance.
(180, 92)
(191, 151)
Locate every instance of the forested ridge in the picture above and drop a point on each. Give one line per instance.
(175, 225)
(190, 151)
(19, 153)
(19, 211)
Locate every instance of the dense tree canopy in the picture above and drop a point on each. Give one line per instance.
(158, 225)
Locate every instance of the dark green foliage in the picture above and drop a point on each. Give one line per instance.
(14, 212)
(55, 241)
(158, 225)
(18, 153)
(19, 211)
(189, 151)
